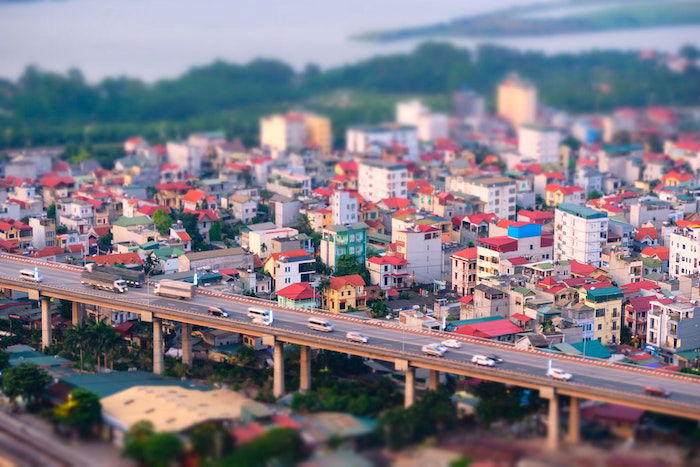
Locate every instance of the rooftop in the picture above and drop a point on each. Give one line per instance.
(581, 211)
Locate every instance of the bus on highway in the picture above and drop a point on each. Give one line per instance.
(320, 324)
(258, 313)
(30, 275)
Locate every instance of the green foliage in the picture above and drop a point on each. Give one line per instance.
(189, 222)
(498, 402)
(162, 221)
(462, 461)
(51, 211)
(4, 360)
(401, 427)
(595, 194)
(26, 380)
(82, 410)
(151, 264)
(691, 371)
(147, 447)
(105, 242)
(94, 340)
(336, 395)
(215, 232)
(279, 446)
(348, 264)
(379, 309)
(625, 335)
(211, 441)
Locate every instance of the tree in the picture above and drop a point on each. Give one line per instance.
(4, 360)
(348, 264)
(82, 410)
(104, 243)
(26, 380)
(211, 441)
(279, 446)
(151, 264)
(51, 211)
(215, 233)
(595, 194)
(135, 439)
(162, 221)
(379, 309)
(161, 449)
(625, 335)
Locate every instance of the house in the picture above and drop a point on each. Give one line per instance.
(43, 232)
(501, 330)
(464, 271)
(555, 194)
(415, 319)
(421, 246)
(388, 272)
(290, 267)
(339, 240)
(345, 293)
(646, 237)
(170, 193)
(535, 216)
(636, 311)
(243, 207)
(672, 327)
(214, 260)
(75, 214)
(522, 241)
(260, 236)
(205, 220)
(16, 232)
(299, 295)
(489, 301)
(607, 303)
(285, 210)
(136, 230)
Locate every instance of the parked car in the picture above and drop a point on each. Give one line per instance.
(216, 311)
(434, 349)
(482, 360)
(495, 357)
(357, 337)
(657, 391)
(453, 343)
(262, 320)
(557, 373)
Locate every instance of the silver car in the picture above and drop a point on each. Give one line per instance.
(357, 337)
(435, 349)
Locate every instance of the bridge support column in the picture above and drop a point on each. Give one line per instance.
(574, 434)
(77, 313)
(553, 423)
(186, 342)
(433, 380)
(45, 322)
(278, 373)
(410, 391)
(158, 359)
(304, 368)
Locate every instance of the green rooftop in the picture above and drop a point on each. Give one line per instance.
(106, 384)
(523, 291)
(593, 349)
(124, 221)
(604, 294)
(581, 211)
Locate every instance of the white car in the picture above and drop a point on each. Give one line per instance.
(557, 373)
(434, 349)
(453, 343)
(262, 320)
(357, 337)
(482, 360)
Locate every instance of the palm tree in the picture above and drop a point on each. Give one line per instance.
(78, 337)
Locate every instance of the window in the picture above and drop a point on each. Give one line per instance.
(600, 312)
(600, 327)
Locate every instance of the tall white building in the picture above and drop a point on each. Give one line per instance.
(684, 248)
(378, 180)
(344, 208)
(185, 156)
(579, 234)
(497, 193)
(539, 143)
(430, 126)
(372, 139)
(421, 246)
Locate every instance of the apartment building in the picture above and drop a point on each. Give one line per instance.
(344, 208)
(517, 101)
(294, 130)
(523, 241)
(374, 139)
(636, 310)
(497, 193)
(291, 185)
(339, 240)
(539, 143)
(43, 232)
(388, 272)
(579, 234)
(672, 327)
(260, 240)
(684, 254)
(430, 126)
(464, 271)
(378, 180)
(16, 232)
(75, 214)
(421, 246)
(607, 305)
(290, 267)
(621, 267)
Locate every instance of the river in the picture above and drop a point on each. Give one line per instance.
(151, 39)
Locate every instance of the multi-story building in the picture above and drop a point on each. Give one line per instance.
(579, 234)
(517, 101)
(345, 293)
(388, 272)
(378, 180)
(344, 208)
(291, 185)
(136, 230)
(539, 143)
(421, 246)
(374, 139)
(648, 211)
(636, 311)
(589, 178)
(339, 240)
(430, 126)
(684, 259)
(17, 232)
(555, 194)
(672, 327)
(318, 132)
(290, 267)
(522, 241)
(43, 232)
(296, 130)
(243, 207)
(75, 214)
(621, 267)
(185, 156)
(260, 240)
(497, 193)
(464, 271)
(607, 321)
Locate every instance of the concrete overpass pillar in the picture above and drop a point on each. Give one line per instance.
(433, 380)
(45, 322)
(410, 391)
(158, 359)
(574, 434)
(553, 423)
(304, 368)
(77, 313)
(186, 343)
(278, 373)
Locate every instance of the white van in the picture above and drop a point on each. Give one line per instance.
(30, 275)
(320, 324)
(254, 313)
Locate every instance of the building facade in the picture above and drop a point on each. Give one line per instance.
(579, 234)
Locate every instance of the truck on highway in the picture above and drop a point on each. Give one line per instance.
(103, 280)
(175, 289)
(132, 277)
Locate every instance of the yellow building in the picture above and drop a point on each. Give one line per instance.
(318, 132)
(607, 305)
(344, 293)
(517, 101)
(296, 130)
(320, 219)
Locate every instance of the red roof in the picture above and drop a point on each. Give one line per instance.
(76, 248)
(184, 236)
(150, 210)
(165, 167)
(641, 303)
(116, 258)
(354, 280)
(393, 260)
(467, 253)
(101, 230)
(502, 244)
(644, 232)
(548, 281)
(203, 213)
(298, 291)
(466, 299)
(322, 192)
(48, 251)
(396, 203)
(567, 190)
(480, 218)
(173, 186)
(194, 196)
(693, 146)
(348, 166)
(489, 329)
(537, 216)
(288, 254)
(661, 252)
(521, 317)
(54, 181)
(247, 433)
(634, 287)
(555, 175)
(8, 245)
(581, 269)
